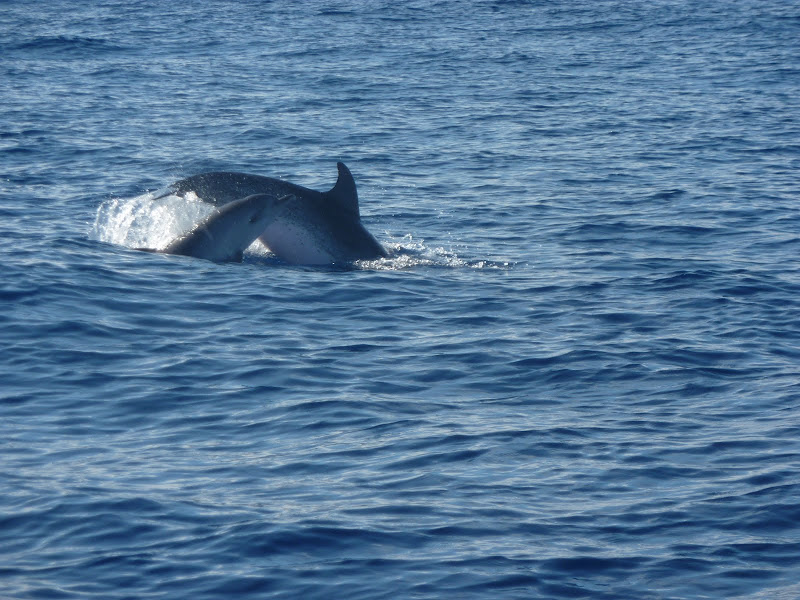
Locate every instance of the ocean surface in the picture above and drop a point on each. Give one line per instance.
(577, 374)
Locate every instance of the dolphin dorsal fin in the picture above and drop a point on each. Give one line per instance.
(344, 192)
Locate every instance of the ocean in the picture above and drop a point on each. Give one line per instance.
(576, 375)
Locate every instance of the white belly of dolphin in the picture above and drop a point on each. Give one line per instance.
(295, 245)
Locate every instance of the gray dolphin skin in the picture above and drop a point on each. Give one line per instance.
(315, 228)
(225, 233)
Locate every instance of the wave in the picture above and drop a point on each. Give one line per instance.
(58, 44)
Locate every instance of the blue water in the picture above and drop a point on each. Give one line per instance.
(576, 376)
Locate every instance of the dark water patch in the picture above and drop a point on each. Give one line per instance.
(588, 565)
(430, 459)
(672, 194)
(64, 44)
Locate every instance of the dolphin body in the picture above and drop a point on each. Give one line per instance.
(225, 233)
(315, 228)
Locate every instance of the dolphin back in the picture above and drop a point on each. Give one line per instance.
(223, 187)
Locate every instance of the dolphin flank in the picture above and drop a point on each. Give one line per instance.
(314, 228)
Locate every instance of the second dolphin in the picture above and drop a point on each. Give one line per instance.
(225, 233)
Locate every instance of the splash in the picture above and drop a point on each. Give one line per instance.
(407, 253)
(147, 221)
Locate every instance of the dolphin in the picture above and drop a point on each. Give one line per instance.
(315, 228)
(225, 233)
